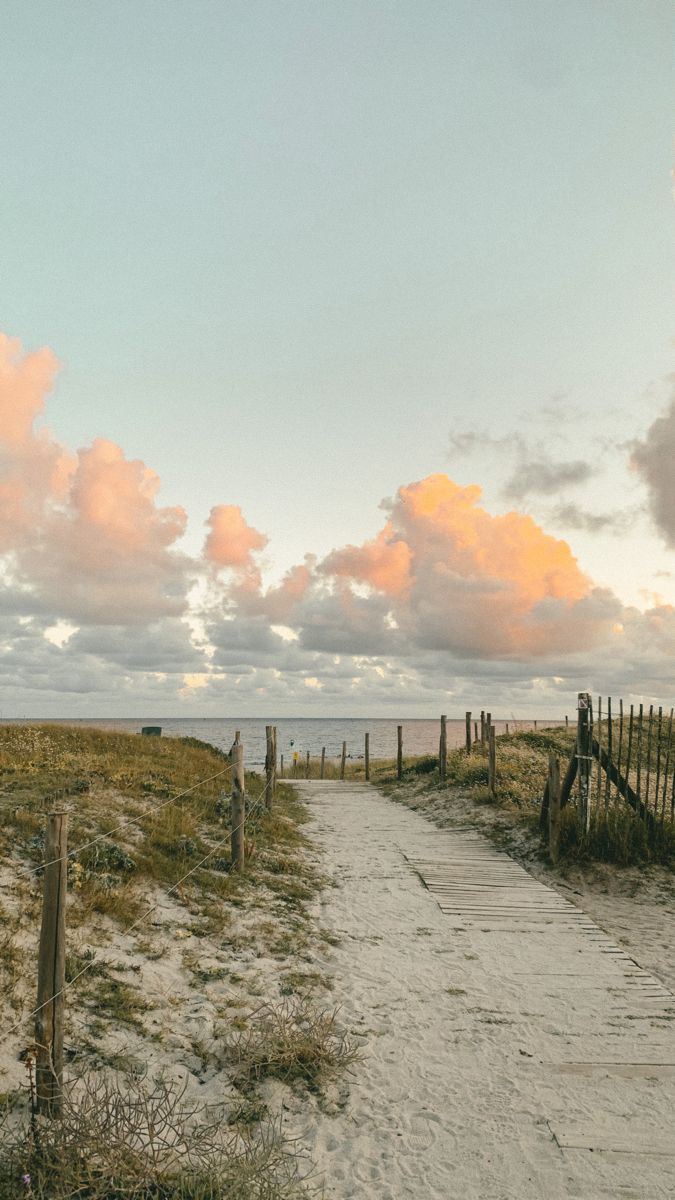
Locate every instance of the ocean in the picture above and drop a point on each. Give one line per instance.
(300, 734)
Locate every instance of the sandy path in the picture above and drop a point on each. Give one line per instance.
(507, 1055)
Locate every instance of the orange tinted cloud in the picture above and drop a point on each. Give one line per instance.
(384, 562)
(84, 530)
(231, 542)
(34, 470)
(478, 585)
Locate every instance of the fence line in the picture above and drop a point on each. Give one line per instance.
(48, 1013)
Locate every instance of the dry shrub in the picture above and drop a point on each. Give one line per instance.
(291, 1041)
(129, 1140)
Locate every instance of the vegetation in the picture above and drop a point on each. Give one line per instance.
(291, 1041)
(617, 834)
(149, 834)
(126, 1138)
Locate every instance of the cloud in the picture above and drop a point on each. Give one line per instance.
(231, 542)
(34, 470)
(653, 459)
(544, 477)
(83, 532)
(571, 516)
(448, 603)
(460, 580)
(384, 563)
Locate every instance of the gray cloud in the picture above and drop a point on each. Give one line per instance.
(571, 516)
(544, 477)
(653, 459)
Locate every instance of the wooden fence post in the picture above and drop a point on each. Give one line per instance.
(488, 727)
(367, 756)
(307, 767)
(553, 807)
(567, 722)
(342, 760)
(482, 728)
(492, 764)
(269, 768)
(274, 762)
(238, 808)
(584, 755)
(475, 732)
(399, 752)
(323, 761)
(468, 732)
(281, 767)
(443, 749)
(52, 967)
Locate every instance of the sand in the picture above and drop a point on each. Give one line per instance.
(515, 1055)
(500, 1059)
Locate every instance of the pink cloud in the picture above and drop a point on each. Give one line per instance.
(84, 531)
(231, 542)
(478, 585)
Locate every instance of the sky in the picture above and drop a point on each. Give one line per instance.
(336, 358)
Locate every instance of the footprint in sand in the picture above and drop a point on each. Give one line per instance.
(421, 1136)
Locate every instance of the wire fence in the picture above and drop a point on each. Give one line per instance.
(53, 1052)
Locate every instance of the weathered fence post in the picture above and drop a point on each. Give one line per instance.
(567, 722)
(584, 755)
(475, 732)
(507, 728)
(367, 756)
(269, 768)
(238, 808)
(488, 727)
(482, 728)
(399, 752)
(307, 767)
(342, 760)
(274, 761)
(468, 732)
(553, 807)
(323, 761)
(281, 767)
(443, 748)
(52, 967)
(492, 764)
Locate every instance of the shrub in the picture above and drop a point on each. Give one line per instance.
(141, 1142)
(291, 1041)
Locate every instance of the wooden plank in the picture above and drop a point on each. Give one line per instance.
(628, 1139)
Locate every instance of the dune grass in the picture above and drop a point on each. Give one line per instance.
(616, 833)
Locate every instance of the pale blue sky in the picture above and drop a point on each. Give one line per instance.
(283, 249)
(286, 252)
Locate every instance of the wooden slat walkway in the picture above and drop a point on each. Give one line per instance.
(548, 1009)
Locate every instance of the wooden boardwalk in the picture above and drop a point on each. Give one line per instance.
(539, 997)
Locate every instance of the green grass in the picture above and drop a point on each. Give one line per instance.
(617, 834)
